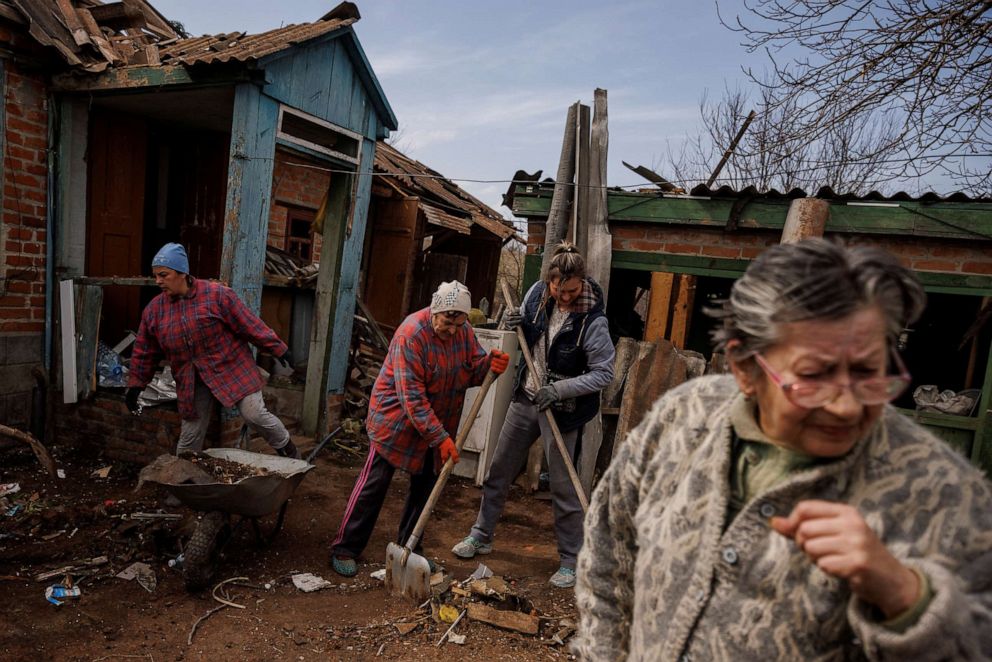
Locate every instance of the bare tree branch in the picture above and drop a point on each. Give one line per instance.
(923, 67)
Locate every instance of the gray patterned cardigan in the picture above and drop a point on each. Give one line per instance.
(659, 578)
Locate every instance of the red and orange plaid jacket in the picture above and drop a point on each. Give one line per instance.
(417, 398)
(204, 333)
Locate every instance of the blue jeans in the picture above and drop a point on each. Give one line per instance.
(523, 424)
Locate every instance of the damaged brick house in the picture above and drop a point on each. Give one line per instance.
(672, 255)
(120, 135)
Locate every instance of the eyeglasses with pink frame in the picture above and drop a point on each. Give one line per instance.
(811, 394)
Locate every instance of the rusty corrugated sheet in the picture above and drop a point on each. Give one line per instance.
(239, 47)
(412, 178)
(437, 217)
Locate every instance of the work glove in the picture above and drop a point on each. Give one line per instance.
(513, 317)
(498, 361)
(286, 360)
(131, 399)
(448, 449)
(546, 396)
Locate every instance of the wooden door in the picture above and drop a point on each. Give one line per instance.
(198, 193)
(389, 274)
(117, 152)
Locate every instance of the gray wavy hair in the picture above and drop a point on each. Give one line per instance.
(814, 279)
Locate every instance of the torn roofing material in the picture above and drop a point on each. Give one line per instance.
(444, 203)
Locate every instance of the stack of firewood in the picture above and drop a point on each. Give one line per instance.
(365, 360)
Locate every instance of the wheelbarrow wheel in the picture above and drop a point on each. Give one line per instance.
(203, 550)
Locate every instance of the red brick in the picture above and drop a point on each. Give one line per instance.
(688, 249)
(21, 327)
(643, 245)
(977, 267)
(33, 248)
(24, 126)
(721, 251)
(935, 265)
(13, 246)
(952, 251)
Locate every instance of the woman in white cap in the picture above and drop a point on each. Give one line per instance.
(416, 403)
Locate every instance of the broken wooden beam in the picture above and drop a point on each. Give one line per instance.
(508, 620)
(44, 457)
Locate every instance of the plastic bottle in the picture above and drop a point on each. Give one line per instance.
(177, 562)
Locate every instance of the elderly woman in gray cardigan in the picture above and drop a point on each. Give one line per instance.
(787, 512)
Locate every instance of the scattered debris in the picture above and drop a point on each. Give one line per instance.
(60, 473)
(143, 573)
(482, 572)
(447, 614)
(151, 516)
(9, 488)
(405, 628)
(77, 568)
(379, 574)
(506, 619)
(457, 639)
(103, 472)
(447, 633)
(309, 582)
(56, 591)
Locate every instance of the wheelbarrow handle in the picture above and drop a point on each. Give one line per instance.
(418, 529)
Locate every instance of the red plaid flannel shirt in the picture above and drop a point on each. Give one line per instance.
(417, 398)
(205, 333)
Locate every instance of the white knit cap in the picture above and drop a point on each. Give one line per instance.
(451, 296)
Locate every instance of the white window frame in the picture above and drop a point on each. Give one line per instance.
(283, 109)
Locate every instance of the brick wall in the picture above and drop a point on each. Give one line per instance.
(296, 182)
(105, 425)
(23, 202)
(921, 254)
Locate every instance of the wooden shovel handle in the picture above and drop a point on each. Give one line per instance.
(446, 470)
(552, 423)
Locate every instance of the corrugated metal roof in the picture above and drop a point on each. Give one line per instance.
(413, 178)
(827, 193)
(239, 47)
(445, 220)
(522, 178)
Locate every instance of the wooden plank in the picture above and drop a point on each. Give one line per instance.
(67, 314)
(659, 305)
(599, 257)
(580, 215)
(657, 368)
(506, 619)
(249, 193)
(325, 307)
(357, 215)
(682, 311)
(89, 305)
(807, 217)
(556, 228)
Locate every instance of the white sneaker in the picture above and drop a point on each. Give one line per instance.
(469, 547)
(564, 578)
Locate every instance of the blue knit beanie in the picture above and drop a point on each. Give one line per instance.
(172, 256)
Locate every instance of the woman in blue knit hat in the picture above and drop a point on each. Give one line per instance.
(204, 330)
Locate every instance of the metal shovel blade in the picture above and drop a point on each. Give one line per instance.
(407, 574)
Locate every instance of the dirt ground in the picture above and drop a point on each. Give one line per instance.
(353, 620)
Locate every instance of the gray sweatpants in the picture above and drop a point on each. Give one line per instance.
(521, 428)
(252, 409)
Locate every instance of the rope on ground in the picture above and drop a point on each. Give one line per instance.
(228, 602)
(189, 639)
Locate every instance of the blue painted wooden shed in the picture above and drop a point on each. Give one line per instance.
(183, 148)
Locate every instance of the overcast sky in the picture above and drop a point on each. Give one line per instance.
(481, 89)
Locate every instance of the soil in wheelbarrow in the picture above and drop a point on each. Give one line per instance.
(225, 471)
(82, 518)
